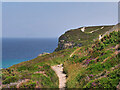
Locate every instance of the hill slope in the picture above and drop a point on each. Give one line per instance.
(81, 36)
(94, 65)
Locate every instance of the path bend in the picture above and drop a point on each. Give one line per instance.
(62, 77)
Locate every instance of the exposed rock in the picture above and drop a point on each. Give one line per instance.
(117, 52)
(44, 53)
(62, 41)
(117, 46)
(41, 72)
(66, 44)
(20, 83)
(16, 84)
(118, 86)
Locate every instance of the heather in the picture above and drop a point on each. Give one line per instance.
(93, 65)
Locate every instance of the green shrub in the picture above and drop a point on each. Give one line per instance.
(29, 84)
(74, 58)
(95, 68)
(92, 62)
(101, 58)
(10, 79)
(79, 77)
(83, 58)
(95, 54)
(89, 84)
(27, 67)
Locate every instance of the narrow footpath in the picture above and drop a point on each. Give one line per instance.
(74, 52)
(62, 77)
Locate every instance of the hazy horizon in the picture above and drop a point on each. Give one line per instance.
(50, 20)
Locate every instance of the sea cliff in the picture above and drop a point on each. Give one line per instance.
(89, 61)
(81, 36)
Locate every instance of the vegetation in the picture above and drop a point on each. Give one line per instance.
(95, 65)
(38, 71)
(99, 68)
(77, 37)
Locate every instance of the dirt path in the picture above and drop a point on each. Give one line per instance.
(95, 30)
(62, 77)
(59, 71)
(74, 52)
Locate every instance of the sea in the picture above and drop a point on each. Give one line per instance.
(16, 50)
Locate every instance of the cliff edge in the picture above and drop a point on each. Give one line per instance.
(81, 36)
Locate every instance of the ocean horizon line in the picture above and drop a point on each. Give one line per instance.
(28, 38)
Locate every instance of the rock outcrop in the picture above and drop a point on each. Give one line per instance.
(63, 44)
(44, 53)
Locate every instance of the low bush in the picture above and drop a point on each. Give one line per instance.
(29, 84)
(10, 79)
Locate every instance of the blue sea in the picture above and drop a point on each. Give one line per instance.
(16, 50)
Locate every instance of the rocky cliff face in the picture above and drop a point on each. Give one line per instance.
(79, 37)
(64, 44)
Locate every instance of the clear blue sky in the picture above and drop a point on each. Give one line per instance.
(49, 20)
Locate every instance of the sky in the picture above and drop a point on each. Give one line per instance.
(119, 12)
(51, 19)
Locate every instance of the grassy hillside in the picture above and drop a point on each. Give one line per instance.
(95, 65)
(36, 73)
(79, 38)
